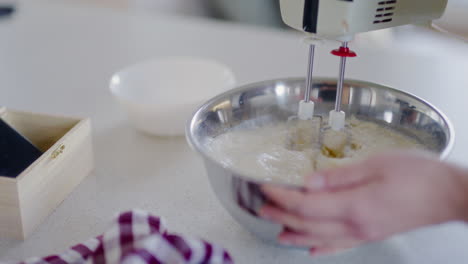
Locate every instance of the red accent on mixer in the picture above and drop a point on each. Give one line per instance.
(343, 52)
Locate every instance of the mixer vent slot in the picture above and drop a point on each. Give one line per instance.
(385, 11)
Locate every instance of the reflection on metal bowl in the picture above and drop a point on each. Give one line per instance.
(274, 101)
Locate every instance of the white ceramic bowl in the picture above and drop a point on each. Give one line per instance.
(160, 95)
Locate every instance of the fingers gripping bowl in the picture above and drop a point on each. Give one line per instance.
(271, 102)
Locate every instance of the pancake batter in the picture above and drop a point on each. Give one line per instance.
(263, 153)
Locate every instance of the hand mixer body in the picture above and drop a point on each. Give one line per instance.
(342, 19)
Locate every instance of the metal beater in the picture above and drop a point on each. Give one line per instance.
(337, 136)
(304, 129)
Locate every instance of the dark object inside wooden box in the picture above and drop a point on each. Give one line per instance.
(16, 152)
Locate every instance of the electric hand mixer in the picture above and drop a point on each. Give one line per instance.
(340, 20)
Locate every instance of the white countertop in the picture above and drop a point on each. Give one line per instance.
(57, 59)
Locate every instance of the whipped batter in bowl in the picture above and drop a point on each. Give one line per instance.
(262, 152)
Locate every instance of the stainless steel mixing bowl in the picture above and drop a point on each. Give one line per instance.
(272, 101)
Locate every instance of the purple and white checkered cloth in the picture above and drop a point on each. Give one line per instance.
(138, 237)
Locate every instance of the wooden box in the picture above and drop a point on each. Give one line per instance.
(25, 201)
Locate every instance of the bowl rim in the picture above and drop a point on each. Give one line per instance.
(228, 84)
(197, 146)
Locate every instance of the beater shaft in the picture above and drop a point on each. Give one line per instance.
(310, 70)
(337, 117)
(339, 87)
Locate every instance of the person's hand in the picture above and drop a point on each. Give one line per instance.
(368, 201)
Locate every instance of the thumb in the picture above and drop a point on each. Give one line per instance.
(339, 178)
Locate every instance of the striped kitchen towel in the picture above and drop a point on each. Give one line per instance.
(138, 237)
